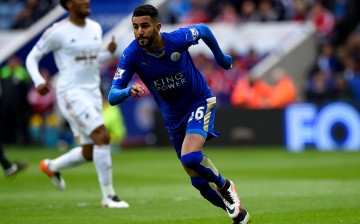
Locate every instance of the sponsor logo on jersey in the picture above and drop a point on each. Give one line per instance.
(194, 33)
(175, 56)
(87, 57)
(170, 82)
(118, 73)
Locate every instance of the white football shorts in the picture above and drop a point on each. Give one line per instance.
(83, 112)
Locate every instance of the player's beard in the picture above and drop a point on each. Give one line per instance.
(83, 13)
(150, 40)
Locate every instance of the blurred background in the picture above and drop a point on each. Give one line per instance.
(295, 80)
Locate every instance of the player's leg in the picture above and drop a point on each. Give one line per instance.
(103, 164)
(71, 158)
(192, 157)
(10, 168)
(199, 128)
(5, 163)
(73, 108)
(207, 189)
(195, 160)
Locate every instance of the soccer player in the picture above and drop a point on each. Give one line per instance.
(11, 169)
(164, 64)
(76, 44)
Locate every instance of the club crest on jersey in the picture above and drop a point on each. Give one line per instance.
(118, 73)
(175, 56)
(194, 33)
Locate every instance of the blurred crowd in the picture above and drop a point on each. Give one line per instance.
(20, 14)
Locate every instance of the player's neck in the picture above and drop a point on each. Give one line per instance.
(78, 21)
(156, 46)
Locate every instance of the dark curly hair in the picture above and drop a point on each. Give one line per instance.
(146, 10)
(63, 3)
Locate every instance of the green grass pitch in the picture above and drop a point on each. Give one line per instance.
(275, 186)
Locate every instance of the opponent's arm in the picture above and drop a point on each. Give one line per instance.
(109, 52)
(209, 39)
(32, 65)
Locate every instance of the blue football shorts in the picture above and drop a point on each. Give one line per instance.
(199, 121)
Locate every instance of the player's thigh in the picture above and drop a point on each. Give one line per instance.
(192, 143)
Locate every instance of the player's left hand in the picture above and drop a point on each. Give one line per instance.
(112, 45)
(228, 61)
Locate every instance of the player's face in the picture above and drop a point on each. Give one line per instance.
(145, 30)
(81, 7)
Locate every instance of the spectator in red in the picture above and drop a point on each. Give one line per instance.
(323, 20)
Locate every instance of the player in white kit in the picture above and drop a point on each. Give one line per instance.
(76, 45)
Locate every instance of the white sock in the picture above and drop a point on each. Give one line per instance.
(72, 158)
(102, 161)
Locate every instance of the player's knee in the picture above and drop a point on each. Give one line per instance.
(192, 160)
(87, 152)
(105, 138)
(101, 136)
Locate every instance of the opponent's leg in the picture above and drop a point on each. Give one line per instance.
(11, 168)
(52, 168)
(5, 163)
(103, 165)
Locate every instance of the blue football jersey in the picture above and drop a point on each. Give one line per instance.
(171, 76)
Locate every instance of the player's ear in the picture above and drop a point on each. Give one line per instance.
(69, 4)
(158, 27)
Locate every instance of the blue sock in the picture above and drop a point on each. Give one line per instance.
(198, 162)
(207, 192)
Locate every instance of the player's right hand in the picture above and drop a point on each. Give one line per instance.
(137, 90)
(112, 45)
(43, 89)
